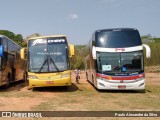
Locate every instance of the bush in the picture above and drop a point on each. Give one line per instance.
(155, 55)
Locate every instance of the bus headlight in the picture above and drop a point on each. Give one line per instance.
(32, 77)
(65, 75)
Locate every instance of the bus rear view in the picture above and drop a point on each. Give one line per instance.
(117, 56)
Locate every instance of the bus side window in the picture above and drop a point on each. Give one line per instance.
(4, 61)
(4, 43)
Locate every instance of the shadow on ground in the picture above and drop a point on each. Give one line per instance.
(71, 88)
(16, 86)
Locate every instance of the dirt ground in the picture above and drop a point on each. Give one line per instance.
(18, 97)
(80, 97)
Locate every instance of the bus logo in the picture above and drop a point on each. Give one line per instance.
(120, 49)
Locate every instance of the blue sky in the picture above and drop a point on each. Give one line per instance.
(78, 19)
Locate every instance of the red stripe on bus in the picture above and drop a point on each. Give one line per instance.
(120, 77)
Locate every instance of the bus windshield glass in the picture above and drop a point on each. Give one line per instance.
(120, 63)
(118, 38)
(48, 55)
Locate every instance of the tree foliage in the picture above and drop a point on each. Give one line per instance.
(16, 38)
(80, 54)
(81, 50)
(32, 35)
(157, 40)
(155, 55)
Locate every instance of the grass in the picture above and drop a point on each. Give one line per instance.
(98, 101)
(89, 99)
(16, 94)
(79, 97)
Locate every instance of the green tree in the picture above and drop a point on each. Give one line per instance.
(80, 54)
(16, 38)
(7, 33)
(33, 35)
(24, 43)
(157, 40)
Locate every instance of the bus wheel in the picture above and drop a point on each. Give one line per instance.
(86, 75)
(92, 80)
(25, 79)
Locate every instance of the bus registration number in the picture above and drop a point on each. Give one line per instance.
(121, 86)
(49, 82)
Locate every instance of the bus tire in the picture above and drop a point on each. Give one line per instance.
(92, 79)
(87, 76)
(25, 77)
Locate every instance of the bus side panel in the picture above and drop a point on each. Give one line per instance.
(5, 68)
(10, 62)
(90, 69)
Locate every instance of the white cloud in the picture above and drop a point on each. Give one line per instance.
(107, 1)
(72, 16)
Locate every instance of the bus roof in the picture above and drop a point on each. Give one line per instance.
(116, 38)
(47, 36)
(116, 29)
(3, 36)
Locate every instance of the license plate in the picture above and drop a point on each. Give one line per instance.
(49, 82)
(121, 86)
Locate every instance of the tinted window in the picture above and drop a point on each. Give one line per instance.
(0, 41)
(10, 44)
(118, 38)
(48, 55)
(4, 43)
(113, 63)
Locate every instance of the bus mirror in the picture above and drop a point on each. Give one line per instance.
(148, 51)
(94, 52)
(23, 53)
(1, 51)
(71, 50)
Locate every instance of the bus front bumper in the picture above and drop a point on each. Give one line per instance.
(50, 82)
(119, 85)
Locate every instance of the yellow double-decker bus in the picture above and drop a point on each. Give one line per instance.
(48, 61)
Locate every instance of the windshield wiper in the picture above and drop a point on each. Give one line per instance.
(42, 65)
(54, 64)
(51, 60)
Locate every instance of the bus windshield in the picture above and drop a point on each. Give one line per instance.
(118, 38)
(120, 63)
(48, 55)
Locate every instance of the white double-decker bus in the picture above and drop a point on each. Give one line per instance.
(116, 60)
